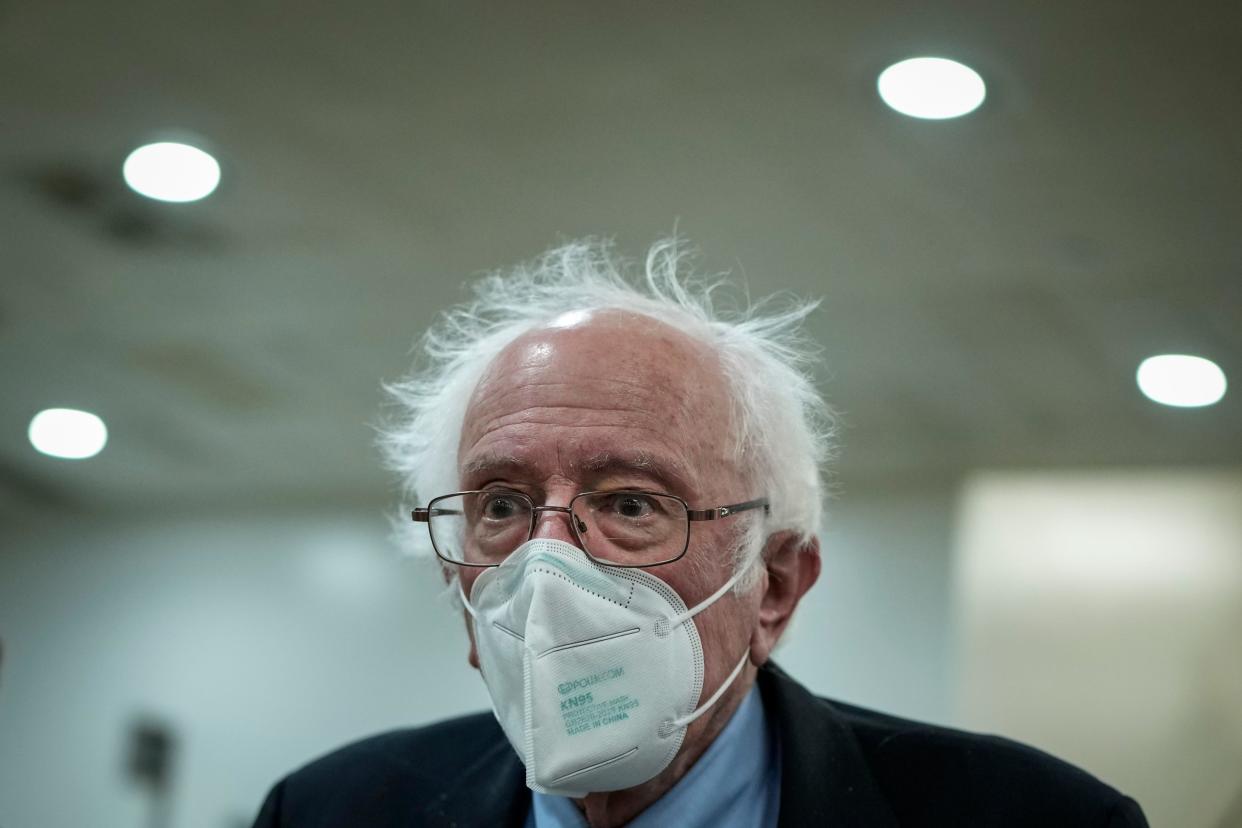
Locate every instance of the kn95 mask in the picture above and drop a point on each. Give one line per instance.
(593, 670)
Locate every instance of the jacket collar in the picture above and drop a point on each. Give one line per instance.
(824, 777)
(491, 791)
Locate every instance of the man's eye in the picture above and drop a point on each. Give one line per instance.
(632, 505)
(500, 507)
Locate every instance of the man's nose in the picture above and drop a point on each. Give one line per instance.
(555, 525)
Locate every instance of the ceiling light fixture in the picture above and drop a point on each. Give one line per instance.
(932, 88)
(67, 433)
(1181, 380)
(169, 171)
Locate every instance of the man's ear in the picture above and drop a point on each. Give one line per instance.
(472, 657)
(792, 565)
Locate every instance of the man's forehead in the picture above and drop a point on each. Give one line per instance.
(661, 466)
(631, 393)
(613, 330)
(607, 345)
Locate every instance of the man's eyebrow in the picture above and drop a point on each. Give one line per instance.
(669, 471)
(490, 462)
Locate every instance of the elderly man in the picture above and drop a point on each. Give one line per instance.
(622, 487)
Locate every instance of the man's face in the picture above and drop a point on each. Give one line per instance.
(616, 401)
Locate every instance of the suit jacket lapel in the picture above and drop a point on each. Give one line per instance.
(491, 791)
(824, 778)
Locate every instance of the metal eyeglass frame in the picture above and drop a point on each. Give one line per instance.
(424, 515)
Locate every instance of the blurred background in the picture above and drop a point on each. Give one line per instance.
(1022, 540)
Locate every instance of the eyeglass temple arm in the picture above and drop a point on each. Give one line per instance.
(731, 509)
(425, 514)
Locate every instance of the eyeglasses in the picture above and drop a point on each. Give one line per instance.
(617, 528)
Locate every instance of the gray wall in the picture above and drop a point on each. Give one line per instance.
(877, 629)
(1099, 618)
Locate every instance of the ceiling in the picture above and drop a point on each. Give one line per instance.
(989, 284)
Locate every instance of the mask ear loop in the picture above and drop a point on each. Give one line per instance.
(464, 600)
(683, 617)
(668, 728)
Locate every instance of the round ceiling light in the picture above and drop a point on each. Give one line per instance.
(1181, 380)
(68, 433)
(930, 87)
(169, 171)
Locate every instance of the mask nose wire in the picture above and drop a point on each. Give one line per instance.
(576, 527)
(679, 618)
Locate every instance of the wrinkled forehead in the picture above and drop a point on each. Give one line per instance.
(602, 372)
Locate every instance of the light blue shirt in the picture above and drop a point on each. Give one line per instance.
(735, 784)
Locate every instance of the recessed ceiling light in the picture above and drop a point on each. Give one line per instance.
(68, 433)
(169, 171)
(929, 87)
(1181, 380)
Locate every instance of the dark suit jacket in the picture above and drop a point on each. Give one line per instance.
(840, 766)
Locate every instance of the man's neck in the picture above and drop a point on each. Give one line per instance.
(611, 809)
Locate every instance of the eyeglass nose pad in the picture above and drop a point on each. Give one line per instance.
(579, 524)
(556, 527)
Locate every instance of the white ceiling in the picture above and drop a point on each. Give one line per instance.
(990, 284)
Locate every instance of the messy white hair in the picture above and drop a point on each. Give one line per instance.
(782, 428)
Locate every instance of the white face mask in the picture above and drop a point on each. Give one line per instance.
(593, 670)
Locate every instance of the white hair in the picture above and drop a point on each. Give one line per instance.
(782, 426)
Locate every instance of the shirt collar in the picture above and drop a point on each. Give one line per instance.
(737, 777)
